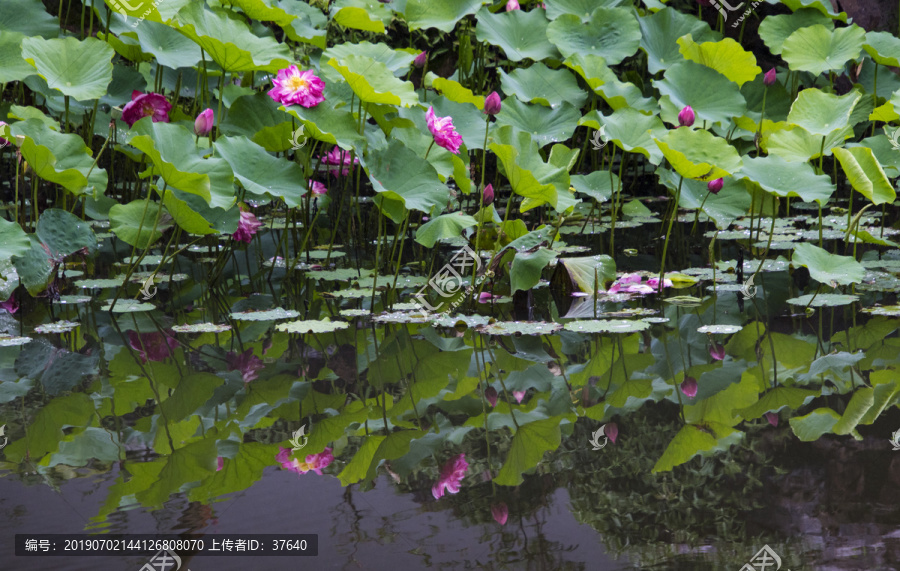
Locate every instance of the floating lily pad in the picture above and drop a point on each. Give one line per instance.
(311, 326)
(630, 312)
(128, 306)
(750, 266)
(57, 327)
(147, 261)
(343, 275)
(467, 320)
(722, 329)
(99, 283)
(406, 306)
(72, 299)
(886, 310)
(268, 315)
(684, 301)
(401, 317)
(201, 328)
(9, 341)
(355, 312)
(656, 319)
(519, 328)
(141, 277)
(607, 326)
(823, 300)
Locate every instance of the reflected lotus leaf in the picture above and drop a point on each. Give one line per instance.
(311, 326)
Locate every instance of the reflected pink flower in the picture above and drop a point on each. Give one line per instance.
(772, 417)
(153, 346)
(10, 305)
(686, 117)
(442, 129)
(769, 78)
(317, 187)
(451, 476)
(317, 462)
(284, 456)
(247, 363)
(491, 395)
(146, 105)
(500, 513)
(247, 227)
(612, 431)
(338, 156)
(492, 104)
(519, 395)
(420, 59)
(486, 297)
(714, 186)
(220, 463)
(295, 87)
(689, 387)
(717, 351)
(204, 122)
(512, 5)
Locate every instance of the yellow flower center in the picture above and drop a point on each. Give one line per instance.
(296, 83)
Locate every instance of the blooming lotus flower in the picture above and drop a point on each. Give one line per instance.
(612, 431)
(689, 387)
(421, 59)
(247, 363)
(295, 87)
(10, 305)
(717, 351)
(512, 5)
(204, 122)
(451, 476)
(153, 346)
(492, 103)
(220, 463)
(485, 297)
(317, 187)
(247, 227)
(500, 513)
(654, 283)
(318, 462)
(772, 417)
(488, 194)
(146, 105)
(769, 78)
(340, 157)
(442, 130)
(686, 117)
(519, 395)
(714, 186)
(491, 395)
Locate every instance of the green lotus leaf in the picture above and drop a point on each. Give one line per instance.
(721, 329)
(127, 306)
(699, 155)
(397, 61)
(126, 45)
(10, 341)
(612, 33)
(660, 33)
(581, 8)
(811, 427)
(133, 223)
(60, 158)
(817, 49)
(584, 271)
(100, 283)
(782, 178)
(603, 80)
(797, 145)
(311, 326)
(424, 14)
(13, 240)
(731, 203)
(694, 439)
(725, 56)
(29, 18)
(228, 40)
(169, 47)
(823, 300)
(520, 34)
(79, 69)
(35, 268)
(545, 125)
(884, 48)
(607, 326)
(774, 30)
(444, 226)
(884, 113)
(260, 173)
(599, 185)
(827, 268)
(195, 216)
(633, 131)
(64, 233)
(300, 21)
(884, 150)
(266, 315)
(454, 91)
(527, 174)
(822, 113)
(529, 444)
(12, 66)
(519, 328)
(540, 84)
(527, 267)
(709, 93)
(865, 174)
(823, 6)
(398, 173)
(259, 119)
(373, 82)
(366, 15)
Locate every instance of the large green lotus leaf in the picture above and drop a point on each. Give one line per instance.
(884, 48)
(797, 145)
(695, 439)
(865, 174)
(330, 122)
(373, 82)
(442, 15)
(817, 49)
(13, 240)
(731, 203)
(64, 233)
(528, 175)
(133, 224)
(195, 216)
(540, 84)
(823, 6)
(397, 61)
(521, 34)
(581, 8)
(859, 405)
(776, 399)
(128, 9)
(28, 17)
(631, 131)
(822, 113)
(169, 47)
(444, 226)
(259, 118)
(709, 93)
(375, 449)
(12, 66)
(782, 178)
(660, 33)
(34, 266)
(545, 125)
(884, 151)
(603, 80)
(60, 158)
(725, 56)
(827, 268)
(585, 271)
(229, 42)
(310, 26)
(526, 268)
(699, 155)
(192, 462)
(175, 157)
(366, 15)
(454, 91)
(528, 446)
(126, 45)
(46, 431)
(811, 427)
(399, 173)
(774, 30)
(884, 113)
(260, 173)
(80, 69)
(599, 185)
(612, 33)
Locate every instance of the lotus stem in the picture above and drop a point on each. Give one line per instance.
(662, 268)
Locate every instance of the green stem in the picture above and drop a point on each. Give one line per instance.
(662, 268)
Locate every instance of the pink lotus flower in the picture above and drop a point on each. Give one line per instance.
(317, 187)
(491, 395)
(488, 194)
(500, 513)
(10, 305)
(772, 417)
(654, 283)
(769, 78)
(295, 87)
(340, 157)
(247, 363)
(146, 105)
(247, 227)
(3, 141)
(612, 431)
(420, 59)
(220, 463)
(714, 186)
(314, 462)
(153, 346)
(519, 395)
(485, 297)
(492, 104)
(204, 122)
(689, 387)
(631, 283)
(451, 476)
(717, 351)
(442, 129)
(512, 5)
(686, 117)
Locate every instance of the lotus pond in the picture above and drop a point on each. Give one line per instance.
(575, 284)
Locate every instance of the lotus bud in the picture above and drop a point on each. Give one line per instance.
(500, 513)
(491, 395)
(612, 431)
(686, 117)
(420, 59)
(492, 103)
(714, 186)
(772, 417)
(717, 351)
(488, 194)
(769, 77)
(204, 122)
(689, 387)
(512, 5)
